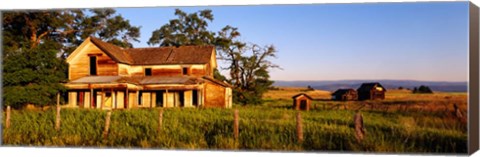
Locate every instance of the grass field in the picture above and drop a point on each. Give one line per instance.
(403, 122)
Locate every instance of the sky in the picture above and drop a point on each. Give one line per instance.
(425, 41)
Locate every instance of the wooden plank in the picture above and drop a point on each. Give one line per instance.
(299, 128)
(57, 118)
(235, 124)
(72, 98)
(88, 101)
(153, 99)
(188, 99)
(107, 124)
(7, 119)
(120, 99)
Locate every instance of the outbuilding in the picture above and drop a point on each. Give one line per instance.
(302, 101)
(345, 94)
(371, 91)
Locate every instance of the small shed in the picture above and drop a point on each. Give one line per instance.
(345, 94)
(302, 101)
(371, 91)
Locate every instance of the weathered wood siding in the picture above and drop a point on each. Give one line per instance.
(228, 97)
(163, 70)
(120, 99)
(188, 98)
(123, 69)
(72, 98)
(132, 100)
(87, 101)
(169, 99)
(146, 99)
(80, 65)
(214, 95)
(297, 102)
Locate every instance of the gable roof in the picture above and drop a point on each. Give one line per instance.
(116, 53)
(343, 91)
(171, 55)
(369, 86)
(156, 55)
(295, 96)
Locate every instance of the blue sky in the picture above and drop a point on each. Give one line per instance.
(409, 41)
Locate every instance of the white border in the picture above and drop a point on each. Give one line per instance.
(82, 152)
(48, 4)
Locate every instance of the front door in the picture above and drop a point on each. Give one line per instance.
(108, 100)
(303, 104)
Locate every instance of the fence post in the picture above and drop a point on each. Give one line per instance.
(299, 128)
(160, 120)
(57, 119)
(107, 124)
(7, 119)
(358, 121)
(235, 124)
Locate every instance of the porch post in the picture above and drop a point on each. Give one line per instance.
(138, 98)
(126, 101)
(91, 98)
(103, 99)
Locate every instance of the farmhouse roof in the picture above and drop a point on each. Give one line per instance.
(116, 53)
(342, 91)
(369, 86)
(156, 55)
(295, 96)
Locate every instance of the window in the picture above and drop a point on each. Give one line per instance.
(80, 98)
(185, 71)
(93, 65)
(194, 98)
(148, 71)
(159, 98)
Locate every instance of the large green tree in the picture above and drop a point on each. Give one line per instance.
(67, 28)
(186, 29)
(248, 63)
(35, 44)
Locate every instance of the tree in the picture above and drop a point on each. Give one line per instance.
(254, 76)
(68, 28)
(32, 76)
(187, 29)
(422, 89)
(34, 43)
(248, 73)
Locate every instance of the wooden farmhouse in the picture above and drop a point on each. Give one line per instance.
(345, 94)
(102, 75)
(302, 101)
(371, 91)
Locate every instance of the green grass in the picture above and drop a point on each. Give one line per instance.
(261, 128)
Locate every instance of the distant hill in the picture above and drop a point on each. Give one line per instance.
(389, 84)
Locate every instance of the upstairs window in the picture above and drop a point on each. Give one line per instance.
(185, 71)
(148, 71)
(93, 65)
